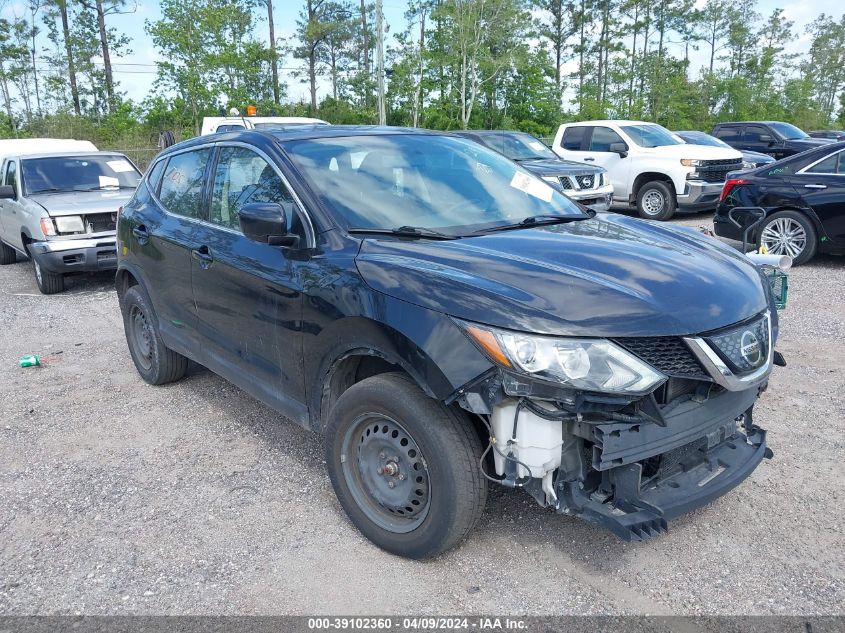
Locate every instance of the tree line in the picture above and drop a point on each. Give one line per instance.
(526, 64)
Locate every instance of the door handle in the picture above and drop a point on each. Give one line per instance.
(815, 186)
(140, 233)
(589, 160)
(203, 256)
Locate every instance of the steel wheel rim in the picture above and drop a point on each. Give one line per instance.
(653, 202)
(784, 236)
(371, 447)
(141, 335)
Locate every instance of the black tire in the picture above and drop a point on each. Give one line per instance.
(156, 363)
(48, 283)
(779, 224)
(8, 255)
(656, 201)
(437, 445)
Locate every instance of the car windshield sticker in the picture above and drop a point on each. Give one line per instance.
(532, 186)
(120, 166)
(108, 181)
(536, 145)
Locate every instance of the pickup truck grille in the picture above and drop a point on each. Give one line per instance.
(716, 170)
(566, 183)
(667, 354)
(585, 182)
(100, 222)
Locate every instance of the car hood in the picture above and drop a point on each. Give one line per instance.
(606, 276)
(82, 202)
(691, 151)
(807, 143)
(552, 167)
(757, 157)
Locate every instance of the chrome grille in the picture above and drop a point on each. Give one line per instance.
(745, 348)
(589, 181)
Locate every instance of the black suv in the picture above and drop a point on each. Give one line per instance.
(446, 318)
(775, 138)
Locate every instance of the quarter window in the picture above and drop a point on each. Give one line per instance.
(833, 164)
(602, 139)
(573, 137)
(241, 177)
(181, 185)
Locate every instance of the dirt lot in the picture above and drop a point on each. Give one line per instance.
(117, 497)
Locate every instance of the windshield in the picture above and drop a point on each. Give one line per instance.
(517, 146)
(78, 173)
(700, 138)
(433, 182)
(650, 135)
(788, 131)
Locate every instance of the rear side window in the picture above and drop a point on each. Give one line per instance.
(154, 179)
(753, 133)
(833, 164)
(602, 139)
(573, 137)
(182, 183)
(728, 134)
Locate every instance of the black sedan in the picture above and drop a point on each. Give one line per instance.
(750, 160)
(804, 200)
(586, 184)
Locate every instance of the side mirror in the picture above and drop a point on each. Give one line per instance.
(766, 138)
(619, 148)
(7, 192)
(266, 222)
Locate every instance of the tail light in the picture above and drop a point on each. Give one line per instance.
(730, 184)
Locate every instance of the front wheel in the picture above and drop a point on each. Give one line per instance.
(48, 283)
(404, 467)
(656, 201)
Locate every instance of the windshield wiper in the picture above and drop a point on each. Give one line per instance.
(407, 231)
(103, 188)
(530, 221)
(48, 190)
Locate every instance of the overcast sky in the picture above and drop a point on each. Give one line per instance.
(136, 72)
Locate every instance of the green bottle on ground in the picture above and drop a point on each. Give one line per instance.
(30, 361)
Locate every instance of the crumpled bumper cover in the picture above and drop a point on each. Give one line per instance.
(639, 511)
(76, 255)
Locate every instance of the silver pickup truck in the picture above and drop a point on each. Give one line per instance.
(59, 208)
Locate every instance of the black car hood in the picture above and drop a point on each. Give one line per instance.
(553, 167)
(807, 143)
(606, 276)
(756, 157)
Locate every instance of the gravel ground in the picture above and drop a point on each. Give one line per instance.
(193, 498)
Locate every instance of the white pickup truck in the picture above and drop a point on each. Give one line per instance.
(649, 166)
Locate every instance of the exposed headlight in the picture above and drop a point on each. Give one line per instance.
(690, 162)
(747, 165)
(583, 364)
(69, 224)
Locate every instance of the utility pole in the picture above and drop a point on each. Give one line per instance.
(382, 115)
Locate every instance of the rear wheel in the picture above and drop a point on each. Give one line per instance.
(789, 233)
(656, 201)
(7, 254)
(48, 283)
(404, 467)
(157, 363)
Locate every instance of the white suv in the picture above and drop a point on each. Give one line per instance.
(649, 166)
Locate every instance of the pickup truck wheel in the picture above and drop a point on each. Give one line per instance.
(7, 254)
(656, 201)
(789, 233)
(404, 467)
(156, 363)
(48, 283)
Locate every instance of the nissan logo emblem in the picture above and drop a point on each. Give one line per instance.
(750, 348)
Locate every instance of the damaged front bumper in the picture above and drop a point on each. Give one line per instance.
(635, 507)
